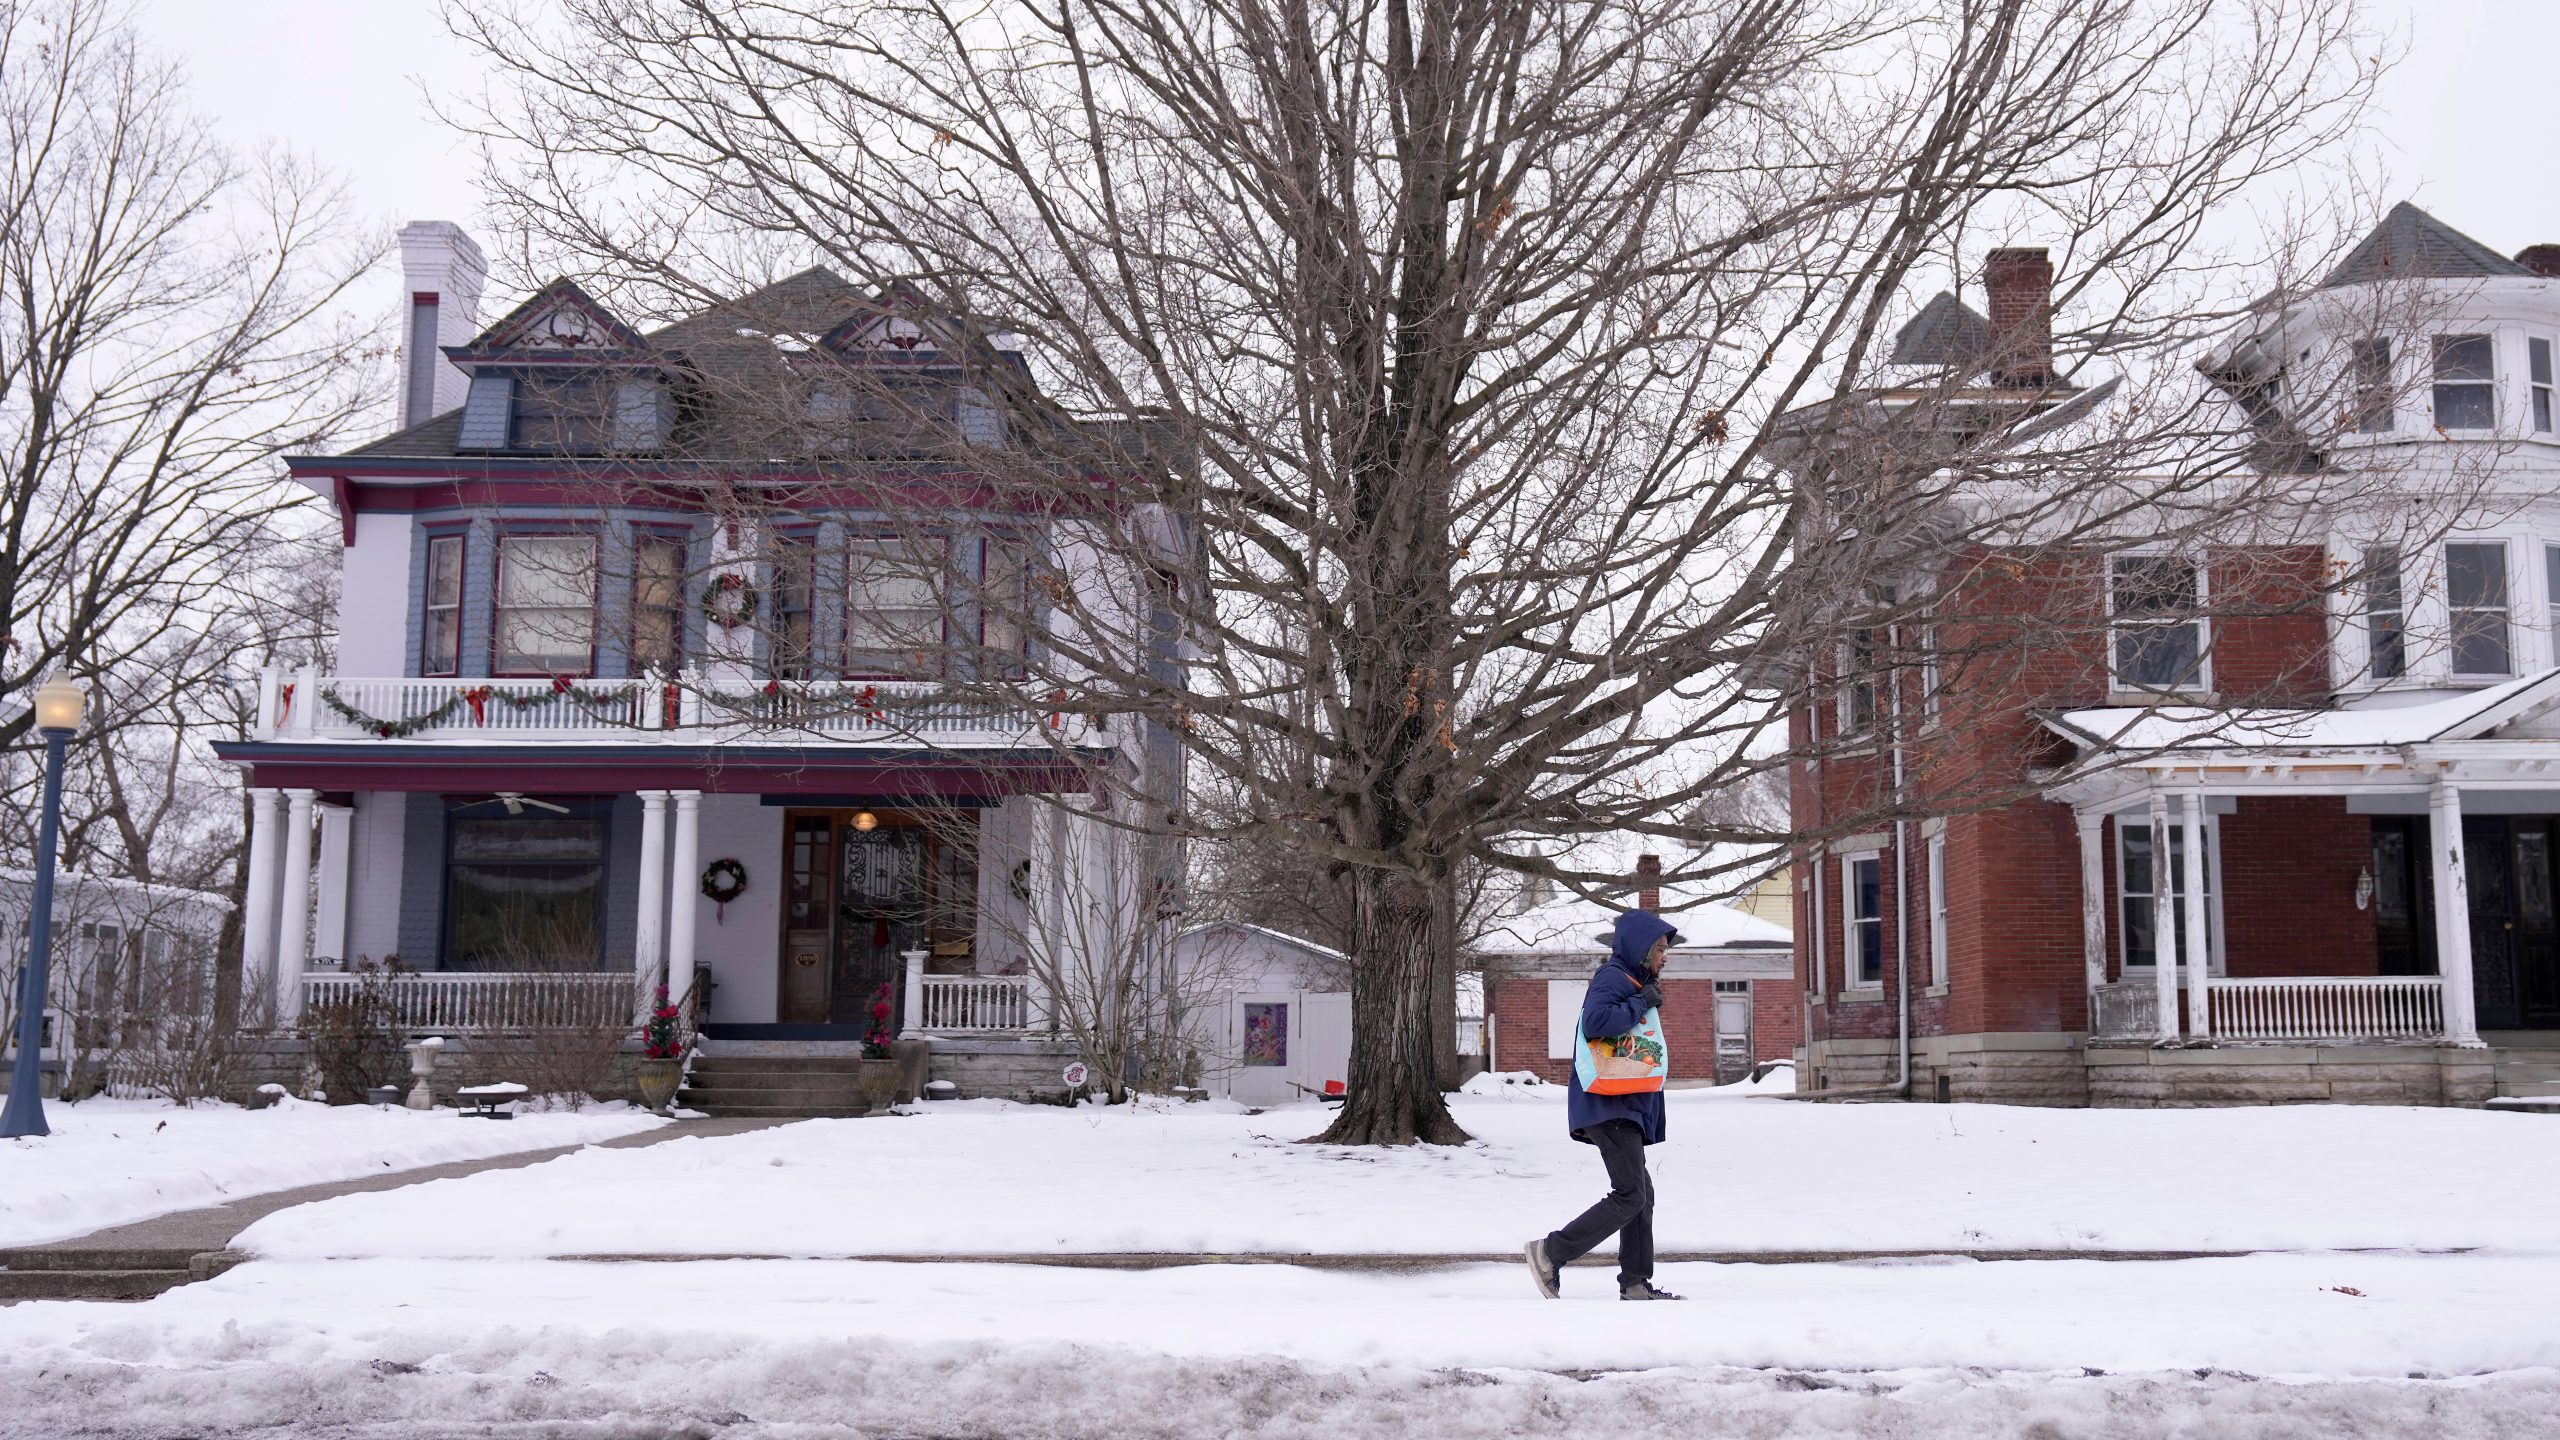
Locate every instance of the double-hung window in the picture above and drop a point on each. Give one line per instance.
(1858, 683)
(2137, 878)
(2386, 618)
(2477, 607)
(2466, 383)
(657, 604)
(2154, 604)
(2369, 379)
(546, 620)
(1862, 916)
(1938, 908)
(794, 594)
(893, 609)
(2537, 355)
(441, 650)
(1004, 605)
(2551, 594)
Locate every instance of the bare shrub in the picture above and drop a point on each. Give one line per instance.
(354, 1034)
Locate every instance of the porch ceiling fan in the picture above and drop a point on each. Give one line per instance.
(516, 800)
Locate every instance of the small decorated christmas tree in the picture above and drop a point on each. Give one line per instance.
(662, 1038)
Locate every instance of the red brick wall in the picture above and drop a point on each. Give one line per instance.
(2029, 635)
(1688, 1023)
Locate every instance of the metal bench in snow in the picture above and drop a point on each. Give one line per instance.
(484, 1100)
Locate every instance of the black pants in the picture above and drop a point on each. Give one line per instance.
(1626, 1211)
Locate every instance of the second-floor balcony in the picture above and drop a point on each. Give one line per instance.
(691, 708)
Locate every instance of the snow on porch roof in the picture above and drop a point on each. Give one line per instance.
(2202, 728)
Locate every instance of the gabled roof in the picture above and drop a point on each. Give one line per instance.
(790, 315)
(1945, 332)
(2411, 244)
(2182, 728)
(560, 320)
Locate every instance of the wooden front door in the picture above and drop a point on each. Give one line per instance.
(864, 888)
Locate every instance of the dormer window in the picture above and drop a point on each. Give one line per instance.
(2466, 393)
(562, 414)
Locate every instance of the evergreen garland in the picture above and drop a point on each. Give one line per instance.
(589, 698)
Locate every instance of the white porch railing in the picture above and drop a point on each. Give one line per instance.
(974, 1004)
(475, 1002)
(310, 705)
(2328, 1007)
(2129, 1011)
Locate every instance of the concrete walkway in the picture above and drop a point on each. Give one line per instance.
(212, 1228)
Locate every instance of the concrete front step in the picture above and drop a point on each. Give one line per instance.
(824, 1064)
(802, 1111)
(104, 1273)
(727, 1101)
(89, 1284)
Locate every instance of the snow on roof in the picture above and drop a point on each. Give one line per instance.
(76, 881)
(1266, 933)
(2194, 727)
(1572, 925)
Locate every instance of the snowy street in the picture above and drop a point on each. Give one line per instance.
(377, 1313)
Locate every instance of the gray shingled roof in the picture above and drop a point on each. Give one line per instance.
(2411, 244)
(1945, 332)
(427, 438)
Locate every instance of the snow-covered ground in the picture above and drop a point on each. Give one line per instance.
(109, 1162)
(803, 1348)
(1738, 1174)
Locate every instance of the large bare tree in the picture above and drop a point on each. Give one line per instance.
(1452, 364)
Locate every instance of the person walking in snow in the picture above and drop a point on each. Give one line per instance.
(1619, 1007)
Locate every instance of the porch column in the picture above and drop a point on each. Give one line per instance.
(2199, 939)
(2453, 911)
(687, 866)
(913, 1020)
(258, 911)
(329, 933)
(2093, 904)
(648, 937)
(293, 919)
(2164, 921)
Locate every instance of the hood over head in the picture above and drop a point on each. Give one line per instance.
(1635, 933)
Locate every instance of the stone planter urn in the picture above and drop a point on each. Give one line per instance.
(658, 1082)
(914, 1059)
(879, 1082)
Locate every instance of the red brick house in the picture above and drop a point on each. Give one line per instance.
(1729, 994)
(2358, 781)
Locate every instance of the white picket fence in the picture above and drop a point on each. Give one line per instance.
(2327, 1007)
(475, 1002)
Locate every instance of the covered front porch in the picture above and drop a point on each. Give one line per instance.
(2322, 879)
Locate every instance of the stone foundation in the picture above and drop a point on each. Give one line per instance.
(1006, 1069)
(2041, 1069)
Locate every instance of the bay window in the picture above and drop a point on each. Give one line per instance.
(2369, 363)
(2537, 352)
(2386, 625)
(893, 610)
(2477, 607)
(2466, 391)
(546, 605)
(794, 597)
(657, 604)
(441, 650)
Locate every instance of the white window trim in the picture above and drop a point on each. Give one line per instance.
(2395, 360)
(1937, 853)
(2552, 387)
(2202, 687)
(2507, 545)
(1821, 976)
(2496, 383)
(1844, 704)
(1849, 921)
(2212, 885)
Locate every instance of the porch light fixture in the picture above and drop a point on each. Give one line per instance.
(2364, 888)
(865, 821)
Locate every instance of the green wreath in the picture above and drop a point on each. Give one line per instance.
(723, 881)
(729, 601)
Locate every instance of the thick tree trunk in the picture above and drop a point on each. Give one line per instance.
(1394, 1090)
(1444, 983)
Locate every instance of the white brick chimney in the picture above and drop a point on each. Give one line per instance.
(441, 269)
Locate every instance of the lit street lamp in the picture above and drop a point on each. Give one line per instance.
(58, 707)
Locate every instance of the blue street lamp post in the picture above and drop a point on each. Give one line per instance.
(58, 707)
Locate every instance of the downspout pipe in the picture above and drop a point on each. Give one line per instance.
(1901, 886)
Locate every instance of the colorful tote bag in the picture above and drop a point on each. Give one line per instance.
(1630, 1064)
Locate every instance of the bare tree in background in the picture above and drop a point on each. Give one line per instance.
(170, 322)
(1468, 348)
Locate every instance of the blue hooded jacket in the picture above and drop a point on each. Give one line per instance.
(1610, 1007)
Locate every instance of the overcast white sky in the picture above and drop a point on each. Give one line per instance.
(2465, 125)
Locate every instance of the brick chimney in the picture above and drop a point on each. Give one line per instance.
(1648, 882)
(441, 270)
(2020, 288)
(2540, 259)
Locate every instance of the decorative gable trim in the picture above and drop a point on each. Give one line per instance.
(560, 321)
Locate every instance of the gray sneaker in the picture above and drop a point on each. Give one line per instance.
(1646, 1290)
(1542, 1271)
